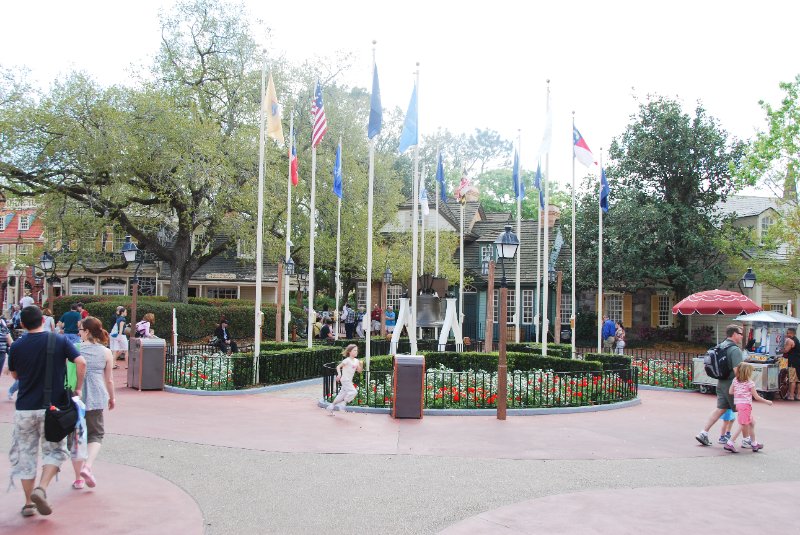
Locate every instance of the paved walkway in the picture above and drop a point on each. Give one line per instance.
(275, 463)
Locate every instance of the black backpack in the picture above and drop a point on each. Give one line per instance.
(717, 364)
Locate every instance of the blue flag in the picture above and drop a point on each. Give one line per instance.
(538, 184)
(410, 135)
(337, 172)
(375, 110)
(440, 179)
(604, 191)
(519, 186)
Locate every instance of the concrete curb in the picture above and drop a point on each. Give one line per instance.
(492, 412)
(246, 392)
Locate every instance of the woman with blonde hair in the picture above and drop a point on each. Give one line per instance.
(344, 374)
(744, 392)
(98, 393)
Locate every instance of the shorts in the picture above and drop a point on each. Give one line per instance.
(95, 428)
(27, 437)
(745, 411)
(118, 343)
(390, 329)
(793, 375)
(728, 416)
(724, 399)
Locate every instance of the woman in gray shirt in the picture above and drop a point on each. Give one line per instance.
(98, 393)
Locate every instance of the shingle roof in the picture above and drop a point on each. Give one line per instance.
(747, 205)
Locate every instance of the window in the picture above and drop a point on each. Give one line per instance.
(24, 248)
(664, 311)
(222, 293)
(393, 294)
(119, 240)
(510, 306)
(487, 252)
(361, 295)
(3, 222)
(566, 308)
(527, 306)
(613, 307)
(778, 307)
(766, 222)
(24, 222)
(112, 287)
(81, 287)
(3, 248)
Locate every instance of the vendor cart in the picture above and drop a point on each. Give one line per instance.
(765, 375)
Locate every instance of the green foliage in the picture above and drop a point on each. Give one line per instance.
(195, 321)
(610, 361)
(488, 362)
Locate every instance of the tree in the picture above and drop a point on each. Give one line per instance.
(668, 170)
(773, 159)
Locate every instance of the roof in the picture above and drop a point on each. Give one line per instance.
(747, 205)
(768, 316)
(498, 216)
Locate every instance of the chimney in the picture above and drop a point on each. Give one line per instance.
(553, 214)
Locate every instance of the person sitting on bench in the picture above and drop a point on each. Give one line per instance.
(223, 338)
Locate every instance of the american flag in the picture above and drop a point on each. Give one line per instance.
(318, 114)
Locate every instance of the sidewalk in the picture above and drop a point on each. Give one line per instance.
(211, 459)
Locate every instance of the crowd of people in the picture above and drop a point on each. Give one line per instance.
(353, 321)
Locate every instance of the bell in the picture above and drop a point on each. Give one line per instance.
(430, 312)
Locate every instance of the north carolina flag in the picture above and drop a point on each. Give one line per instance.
(581, 150)
(293, 163)
(273, 112)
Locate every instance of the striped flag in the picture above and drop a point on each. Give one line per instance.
(581, 150)
(318, 115)
(293, 162)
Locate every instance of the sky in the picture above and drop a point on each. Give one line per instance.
(481, 65)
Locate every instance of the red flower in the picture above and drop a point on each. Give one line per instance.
(203, 376)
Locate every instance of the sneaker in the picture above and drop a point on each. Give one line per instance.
(11, 397)
(757, 447)
(723, 439)
(88, 477)
(747, 443)
(702, 438)
(729, 446)
(77, 484)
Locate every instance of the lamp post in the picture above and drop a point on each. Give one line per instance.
(301, 283)
(47, 263)
(506, 248)
(285, 267)
(129, 253)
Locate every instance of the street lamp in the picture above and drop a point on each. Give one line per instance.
(748, 280)
(506, 246)
(47, 264)
(289, 263)
(387, 275)
(129, 252)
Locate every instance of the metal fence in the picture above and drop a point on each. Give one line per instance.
(669, 369)
(202, 349)
(478, 390)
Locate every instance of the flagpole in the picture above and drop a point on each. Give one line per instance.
(538, 316)
(412, 331)
(461, 268)
(287, 312)
(312, 232)
(518, 289)
(338, 258)
(436, 263)
(600, 266)
(572, 319)
(367, 319)
(259, 225)
(422, 224)
(546, 244)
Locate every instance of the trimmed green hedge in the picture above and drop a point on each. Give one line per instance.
(555, 350)
(610, 361)
(488, 362)
(195, 321)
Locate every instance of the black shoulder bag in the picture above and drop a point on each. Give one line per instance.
(59, 420)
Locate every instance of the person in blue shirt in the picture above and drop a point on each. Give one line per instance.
(608, 334)
(69, 324)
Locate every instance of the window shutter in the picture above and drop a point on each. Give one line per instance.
(766, 306)
(627, 310)
(654, 311)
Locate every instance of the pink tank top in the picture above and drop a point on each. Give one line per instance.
(742, 392)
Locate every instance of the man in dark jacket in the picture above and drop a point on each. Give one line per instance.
(224, 341)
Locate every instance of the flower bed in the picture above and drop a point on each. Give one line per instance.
(202, 372)
(448, 389)
(664, 373)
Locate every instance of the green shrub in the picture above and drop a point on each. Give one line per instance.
(195, 321)
(488, 362)
(610, 361)
(553, 350)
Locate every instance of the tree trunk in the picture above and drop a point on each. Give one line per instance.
(180, 273)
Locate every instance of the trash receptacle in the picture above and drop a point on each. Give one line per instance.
(409, 386)
(566, 335)
(146, 363)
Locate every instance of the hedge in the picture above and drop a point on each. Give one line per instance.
(488, 362)
(610, 361)
(195, 321)
(555, 350)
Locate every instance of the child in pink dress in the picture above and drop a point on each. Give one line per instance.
(744, 392)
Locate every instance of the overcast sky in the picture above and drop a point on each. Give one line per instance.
(482, 64)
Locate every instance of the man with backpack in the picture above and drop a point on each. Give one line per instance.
(726, 357)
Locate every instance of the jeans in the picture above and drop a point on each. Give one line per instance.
(13, 388)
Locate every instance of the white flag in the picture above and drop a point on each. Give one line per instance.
(423, 200)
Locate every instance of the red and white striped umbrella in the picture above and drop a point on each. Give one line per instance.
(716, 302)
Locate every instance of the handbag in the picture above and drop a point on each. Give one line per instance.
(59, 420)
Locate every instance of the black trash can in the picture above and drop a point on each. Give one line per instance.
(408, 384)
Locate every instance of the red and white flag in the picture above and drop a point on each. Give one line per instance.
(293, 163)
(582, 151)
(318, 117)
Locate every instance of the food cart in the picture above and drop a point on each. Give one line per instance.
(767, 359)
